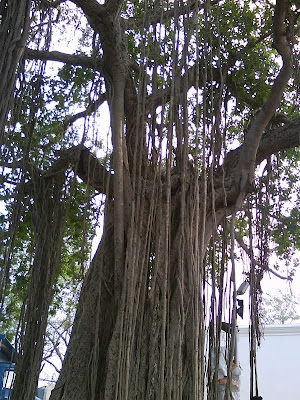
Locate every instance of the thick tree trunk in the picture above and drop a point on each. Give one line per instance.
(89, 370)
(48, 221)
(84, 367)
(140, 346)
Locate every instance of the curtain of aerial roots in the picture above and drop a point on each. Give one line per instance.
(14, 25)
(48, 226)
(48, 223)
(256, 274)
(161, 320)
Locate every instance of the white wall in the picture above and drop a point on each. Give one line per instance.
(278, 361)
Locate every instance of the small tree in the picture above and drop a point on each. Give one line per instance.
(280, 309)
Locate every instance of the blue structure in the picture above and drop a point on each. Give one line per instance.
(4, 392)
(8, 358)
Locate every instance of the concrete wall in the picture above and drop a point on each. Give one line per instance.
(278, 361)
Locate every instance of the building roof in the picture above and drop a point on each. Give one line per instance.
(275, 330)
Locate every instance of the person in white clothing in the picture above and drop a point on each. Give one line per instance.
(222, 378)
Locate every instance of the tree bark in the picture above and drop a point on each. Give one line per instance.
(48, 217)
(14, 26)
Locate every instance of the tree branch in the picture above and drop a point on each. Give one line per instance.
(74, 59)
(91, 7)
(247, 162)
(281, 138)
(266, 268)
(53, 365)
(86, 166)
(92, 107)
(89, 169)
(227, 188)
(93, 173)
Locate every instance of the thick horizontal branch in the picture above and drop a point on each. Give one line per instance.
(74, 59)
(93, 173)
(90, 170)
(86, 166)
(90, 7)
(281, 138)
(227, 188)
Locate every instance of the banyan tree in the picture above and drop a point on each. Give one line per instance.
(173, 124)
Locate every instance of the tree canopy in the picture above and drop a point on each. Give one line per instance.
(175, 126)
(280, 309)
